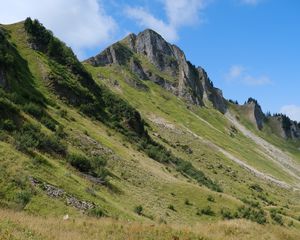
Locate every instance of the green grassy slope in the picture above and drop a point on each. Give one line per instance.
(166, 193)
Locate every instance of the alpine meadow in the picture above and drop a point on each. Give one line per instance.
(136, 142)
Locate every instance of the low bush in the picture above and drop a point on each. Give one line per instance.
(227, 214)
(139, 209)
(97, 212)
(52, 144)
(25, 141)
(207, 211)
(23, 197)
(187, 202)
(80, 162)
(30, 137)
(34, 110)
(48, 123)
(8, 125)
(210, 198)
(276, 217)
(39, 160)
(171, 207)
(94, 166)
(255, 215)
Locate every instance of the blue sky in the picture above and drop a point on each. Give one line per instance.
(250, 48)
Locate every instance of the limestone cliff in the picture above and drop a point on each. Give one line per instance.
(190, 83)
(253, 112)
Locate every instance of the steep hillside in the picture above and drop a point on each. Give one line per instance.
(136, 133)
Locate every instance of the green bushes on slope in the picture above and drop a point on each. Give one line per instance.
(29, 136)
(162, 155)
(94, 166)
(74, 84)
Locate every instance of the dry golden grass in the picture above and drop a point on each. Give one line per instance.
(18, 225)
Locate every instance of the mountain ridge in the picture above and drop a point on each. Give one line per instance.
(80, 141)
(191, 83)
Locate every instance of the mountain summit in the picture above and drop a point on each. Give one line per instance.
(184, 79)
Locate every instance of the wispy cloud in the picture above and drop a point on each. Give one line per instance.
(292, 111)
(235, 72)
(145, 19)
(179, 13)
(239, 73)
(82, 24)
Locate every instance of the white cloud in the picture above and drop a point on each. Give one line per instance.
(239, 73)
(179, 13)
(147, 20)
(292, 111)
(234, 72)
(183, 12)
(82, 24)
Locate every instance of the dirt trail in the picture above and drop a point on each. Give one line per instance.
(240, 162)
(273, 153)
(206, 122)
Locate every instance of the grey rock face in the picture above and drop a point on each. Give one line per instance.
(212, 94)
(191, 84)
(116, 53)
(295, 130)
(285, 128)
(255, 113)
(136, 67)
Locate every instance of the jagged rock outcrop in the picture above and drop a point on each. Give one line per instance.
(212, 94)
(190, 83)
(284, 127)
(254, 113)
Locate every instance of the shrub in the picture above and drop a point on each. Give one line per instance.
(227, 214)
(207, 211)
(254, 204)
(80, 162)
(291, 223)
(255, 215)
(30, 136)
(23, 197)
(171, 207)
(63, 113)
(34, 110)
(49, 123)
(256, 187)
(97, 212)
(276, 217)
(187, 202)
(39, 160)
(52, 144)
(139, 209)
(59, 132)
(8, 125)
(25, 141)
(210, 198)
(94, 166)
(7, 109)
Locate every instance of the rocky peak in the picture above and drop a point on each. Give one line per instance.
(285, 127)
(254, 112)
(190, 83)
